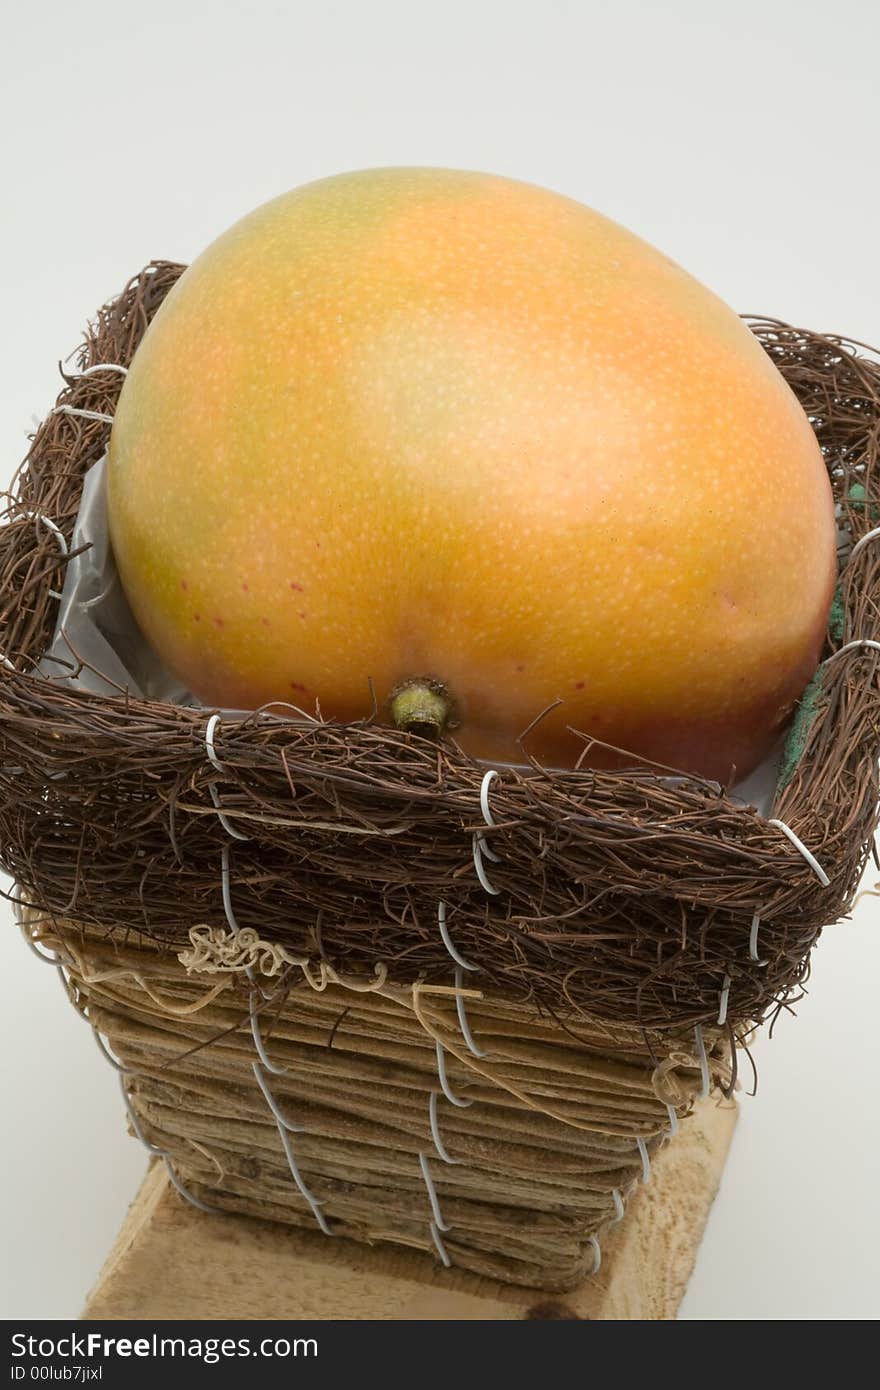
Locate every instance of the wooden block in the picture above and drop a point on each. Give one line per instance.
(172, 1261)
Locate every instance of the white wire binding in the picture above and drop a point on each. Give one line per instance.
(673, 1120)
(71, 989)
(223, 819)
(50, 525)
(479, 849)
(619, 1209)
(160, 1153)
(432, 1194)
(435, 1131)
(213, 723)
(722, 1007)
(444, 1080)
(597, 1254)
(47, 957)
(447, 940)
(481, 846)
(646, 1160)
(280, 1118)
(258, 1040)
(59, 535)
(254, 982)
(487, 850)
(484, 796)
(42, 954)
(462, 1016)
(704, 1062)
(485, 847)
(104, 1049)
(226, 890)
(802, 849)
(440, 1247)
(285, 1126)
(193, 1201)
(312, 1200)
(135, 1123)
(98, 367)
(81, 414)
(753, 940)
(210, 750)
(850, 646)
(862, 543)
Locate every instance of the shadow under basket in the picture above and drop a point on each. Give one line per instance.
(356, 982)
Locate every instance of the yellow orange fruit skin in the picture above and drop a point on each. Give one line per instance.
(410, 421)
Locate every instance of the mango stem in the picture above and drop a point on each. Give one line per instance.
(421, 706)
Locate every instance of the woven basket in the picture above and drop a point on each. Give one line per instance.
(509, 1161)
(356, 980)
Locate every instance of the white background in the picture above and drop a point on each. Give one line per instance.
(741, 139)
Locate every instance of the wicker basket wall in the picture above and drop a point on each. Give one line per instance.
(353, 979)
(365, 1112)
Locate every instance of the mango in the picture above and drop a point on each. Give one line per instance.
(424, 425)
